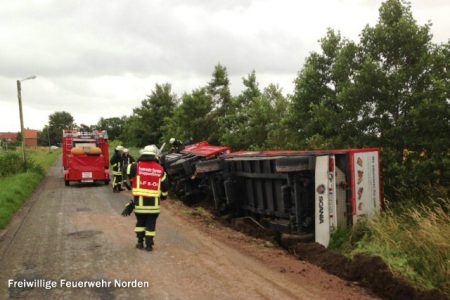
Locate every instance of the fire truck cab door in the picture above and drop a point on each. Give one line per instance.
(325, 199)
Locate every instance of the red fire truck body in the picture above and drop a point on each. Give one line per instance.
(85, 156)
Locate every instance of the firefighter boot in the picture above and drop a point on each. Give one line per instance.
(149, 243)
(140, 243)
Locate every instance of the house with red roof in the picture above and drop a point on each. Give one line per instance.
(31, 137)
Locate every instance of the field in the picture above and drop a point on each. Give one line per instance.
(18, 184)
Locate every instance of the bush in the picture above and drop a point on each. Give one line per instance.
(10, 163)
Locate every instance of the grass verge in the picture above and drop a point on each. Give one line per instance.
(413, 240)
(15, 189)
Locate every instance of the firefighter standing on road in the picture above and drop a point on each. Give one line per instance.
(150, 186)
(127, 159)
(116, 163)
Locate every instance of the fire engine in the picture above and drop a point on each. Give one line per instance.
(85, 156)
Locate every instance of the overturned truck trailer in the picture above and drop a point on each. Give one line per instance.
(296, 192)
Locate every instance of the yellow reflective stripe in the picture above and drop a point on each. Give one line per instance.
(147, 211)
(147, 207)
(138, 182)
(164, 193)
(146, 193)
(139, 229)
(150, 233)
(164, 177)
(129, 169)
(141, 201)
(117, 173)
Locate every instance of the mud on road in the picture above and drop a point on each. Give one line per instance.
(77, 233)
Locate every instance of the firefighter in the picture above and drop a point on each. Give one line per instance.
(150, 186)
(126, 160)
(116, 163)
(177, 145)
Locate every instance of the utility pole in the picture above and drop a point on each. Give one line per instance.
(19, 95)
(48, 135)
(22, 130)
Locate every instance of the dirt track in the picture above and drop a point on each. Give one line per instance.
(76, 233)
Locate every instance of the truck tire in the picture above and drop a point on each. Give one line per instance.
(67, 182)
(106, 182)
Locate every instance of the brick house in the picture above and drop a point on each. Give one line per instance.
(31, 137)
(10, 137)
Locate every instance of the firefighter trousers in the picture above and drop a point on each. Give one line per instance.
(117, 182)
(146, 227)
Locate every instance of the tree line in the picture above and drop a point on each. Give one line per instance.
(389, 89)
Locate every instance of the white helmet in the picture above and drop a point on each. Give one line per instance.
(172, 140)
(119, 148)
(150, 150)
(125, 150)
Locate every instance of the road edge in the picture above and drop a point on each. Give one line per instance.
(8, 234)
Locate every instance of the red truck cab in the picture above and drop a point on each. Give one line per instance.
(85, 156)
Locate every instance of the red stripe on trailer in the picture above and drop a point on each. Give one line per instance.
(380, 181)
(352, 181)
(296, 152)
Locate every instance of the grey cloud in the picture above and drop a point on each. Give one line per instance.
(140, 39)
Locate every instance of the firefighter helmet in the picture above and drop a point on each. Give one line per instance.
(125, 150)
(119, 148)
(150, 150)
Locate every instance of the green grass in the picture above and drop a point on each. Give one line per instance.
(17, 188)
(413, 240)
(44, 158)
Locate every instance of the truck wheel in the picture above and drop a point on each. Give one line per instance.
(67, 182)
(106, 182)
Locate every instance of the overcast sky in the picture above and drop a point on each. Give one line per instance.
(101, 58)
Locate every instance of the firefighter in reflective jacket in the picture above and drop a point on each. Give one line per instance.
(150, 186)
(127, 159)
(116, 163)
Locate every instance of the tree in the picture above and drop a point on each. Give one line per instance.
(114, 126)
(405, 76)
(145, 126)
(219, 91)
(192, 119)
(237, 118)
(43, 137)
(277, 137)
(380, 92)
(323, 105)
(57, 122)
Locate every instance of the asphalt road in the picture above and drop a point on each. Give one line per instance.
(76, 233)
